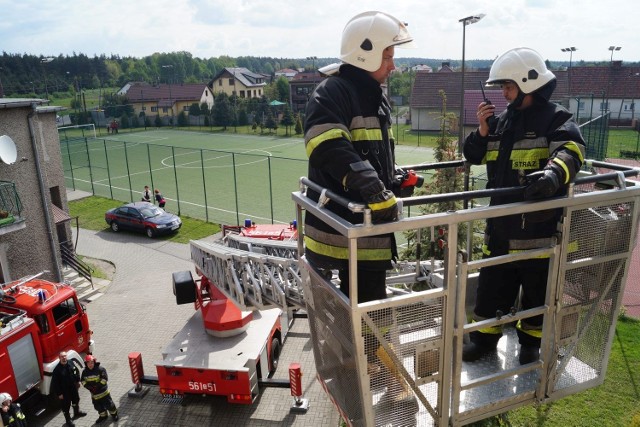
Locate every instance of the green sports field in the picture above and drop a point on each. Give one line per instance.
(220, 177)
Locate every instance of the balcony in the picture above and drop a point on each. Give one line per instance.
(10, 208)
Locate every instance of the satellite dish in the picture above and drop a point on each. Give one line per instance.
(8, 153)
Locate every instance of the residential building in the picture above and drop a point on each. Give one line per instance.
(239, 81)
(588, 96)
(32, 191)
(166, 100)
(301, 87)
(287, 73)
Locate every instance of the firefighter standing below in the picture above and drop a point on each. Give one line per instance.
(11, 414)
(94, 378)
(536, 143)
(65, 382)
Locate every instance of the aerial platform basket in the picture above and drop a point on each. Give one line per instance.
(398, 361)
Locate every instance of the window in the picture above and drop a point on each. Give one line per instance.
(185, 108)
(63, 311)
(604, 106)
(145, 108)
(220, 82)
(581, 105)
(241, 94)
(165, 109)
(154, 109)
(43, 323)
(232, 82)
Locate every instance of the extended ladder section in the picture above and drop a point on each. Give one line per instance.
(253, 280)
(11, 318)
(398, 361)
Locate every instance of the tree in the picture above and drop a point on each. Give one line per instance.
(270, 122)
(299, 128)
(194, 111)
(447, 180)
(282, 89)
(158, 121)
(182, 119)
(287, 118)
(222, 111)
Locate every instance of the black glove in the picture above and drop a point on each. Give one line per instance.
(542, 184)
(382, 202)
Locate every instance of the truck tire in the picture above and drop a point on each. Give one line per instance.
(276, 349)
(184, 288)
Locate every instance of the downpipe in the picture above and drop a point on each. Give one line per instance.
(44, 197)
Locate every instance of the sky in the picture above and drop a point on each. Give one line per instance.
(302, 28)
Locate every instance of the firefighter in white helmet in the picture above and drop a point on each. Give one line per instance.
(11, 414)
(350, 145)
(533, 143)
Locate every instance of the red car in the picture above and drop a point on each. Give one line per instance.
(144, 217)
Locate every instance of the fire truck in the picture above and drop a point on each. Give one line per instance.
(38, 320)
(231, 345)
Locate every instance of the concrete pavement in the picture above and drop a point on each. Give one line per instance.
(137, 312)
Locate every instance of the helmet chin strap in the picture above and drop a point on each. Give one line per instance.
(518, 101)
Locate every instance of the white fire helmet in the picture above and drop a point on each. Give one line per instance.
(4, 397)
(367, 35)
(523, 66)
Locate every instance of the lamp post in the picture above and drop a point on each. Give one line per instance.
(612, 49)
(570, 50)
(465, 21)
(170, 99)
(46, 61)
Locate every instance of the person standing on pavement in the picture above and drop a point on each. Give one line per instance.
(65, 382)
(11, 414)
(534, 143)
(94, 378)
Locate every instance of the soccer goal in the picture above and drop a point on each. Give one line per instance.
(67, 133)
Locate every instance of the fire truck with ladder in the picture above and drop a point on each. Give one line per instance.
(231, 345)
(38, 320)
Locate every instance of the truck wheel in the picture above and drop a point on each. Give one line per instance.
(115, 227)
(276, 349)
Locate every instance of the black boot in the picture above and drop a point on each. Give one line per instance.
(67, 418)
(101, 419)
(474, 351)
(77, 413)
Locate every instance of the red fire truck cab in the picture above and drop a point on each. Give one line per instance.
(38, 320)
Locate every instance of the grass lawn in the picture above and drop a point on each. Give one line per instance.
(614, 403)
(90, 212)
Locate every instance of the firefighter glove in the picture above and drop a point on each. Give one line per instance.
(384, 207)
(382, 202)
(542, 184)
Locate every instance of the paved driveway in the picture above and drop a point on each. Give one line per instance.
(137, 312)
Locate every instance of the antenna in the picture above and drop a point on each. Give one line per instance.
(8, 153)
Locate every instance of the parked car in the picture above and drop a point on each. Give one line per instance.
(144, 217)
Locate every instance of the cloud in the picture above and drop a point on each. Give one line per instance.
(300, 28)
